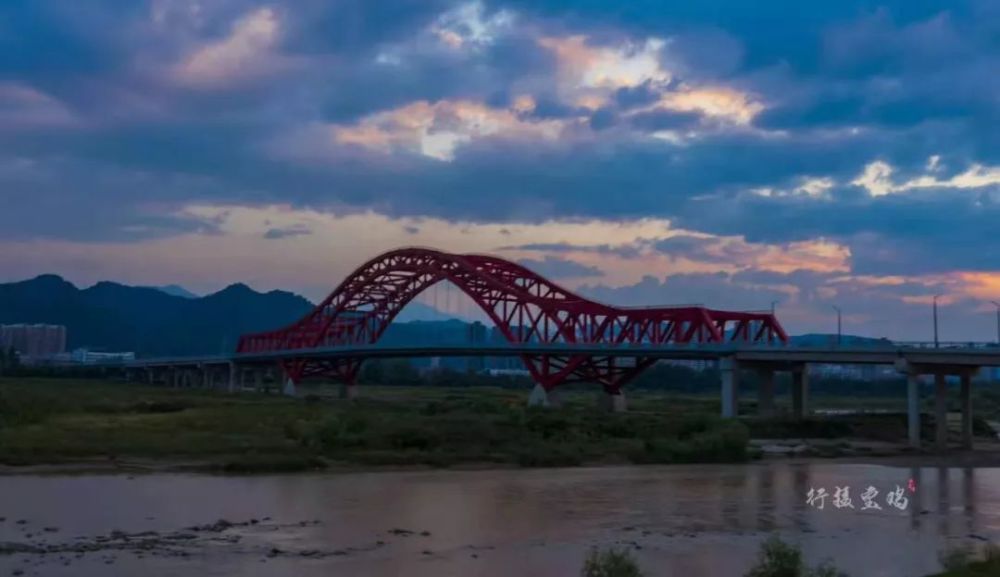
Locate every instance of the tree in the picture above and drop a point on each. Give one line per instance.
(610, 563)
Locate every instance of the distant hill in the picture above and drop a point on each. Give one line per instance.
(153, 321)
(176, 290)
(825, 340)
(113, 316)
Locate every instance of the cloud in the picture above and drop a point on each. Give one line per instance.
(557, 268)
(436, 129)
(246, 53)
(468, 26)
(291, 231)
(850, 141)
(877, 178)
(23, 107)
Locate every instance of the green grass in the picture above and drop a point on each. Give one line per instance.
(968, 562)
(56, 421)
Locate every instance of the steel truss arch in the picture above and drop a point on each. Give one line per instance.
(525, 306)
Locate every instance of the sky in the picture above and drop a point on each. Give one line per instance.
(718, 152)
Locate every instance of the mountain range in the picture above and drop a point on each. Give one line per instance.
(149, 321)
(168, 321)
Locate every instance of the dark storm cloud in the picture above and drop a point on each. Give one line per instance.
(769, 32)
(845, 83)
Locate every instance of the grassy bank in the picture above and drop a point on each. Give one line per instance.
(56, 421)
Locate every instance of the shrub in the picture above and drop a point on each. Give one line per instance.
(726, 441)
(966, 561)
(957, 558)
(779, 559)
(610, 563)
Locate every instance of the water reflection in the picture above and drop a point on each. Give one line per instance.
(540, 522)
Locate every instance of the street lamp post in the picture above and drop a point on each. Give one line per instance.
(773, 303)
(935, 321)
(836, 308)
(997, 304)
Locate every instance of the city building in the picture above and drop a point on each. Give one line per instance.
(37, 341)
(87, 356)
(693, 364)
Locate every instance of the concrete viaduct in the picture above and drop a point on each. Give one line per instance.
(242, 370)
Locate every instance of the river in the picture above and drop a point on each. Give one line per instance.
(678, 520)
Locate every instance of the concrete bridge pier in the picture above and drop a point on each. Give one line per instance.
(765, 394)
(233, 371)
(940, 412)
(729, 369)
(258, 380)
(800, 391)
(612, 401)
(542, 397)
(966, 393)
(913, 374)
(289, 389)
(913, 408)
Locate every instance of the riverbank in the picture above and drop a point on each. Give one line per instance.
(61, 422)
(62, 426)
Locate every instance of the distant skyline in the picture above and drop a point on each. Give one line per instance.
(719, 152)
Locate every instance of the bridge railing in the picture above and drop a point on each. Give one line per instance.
(947, 344)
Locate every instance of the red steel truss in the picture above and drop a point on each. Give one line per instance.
(526, 307)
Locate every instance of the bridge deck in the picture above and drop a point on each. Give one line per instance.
(976, 356)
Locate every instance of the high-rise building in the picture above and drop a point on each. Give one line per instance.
(34, 341)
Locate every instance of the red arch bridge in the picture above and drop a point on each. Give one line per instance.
(561, 338)
(527, 308)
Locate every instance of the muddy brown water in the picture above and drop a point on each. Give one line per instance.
(677, 520)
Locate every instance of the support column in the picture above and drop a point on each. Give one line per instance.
(175, 376)
(612, 402)
(258, 380)
(966, 410)
(800, 392)
(289, 390)
(206, 377)
(765, 394)
(913, 408)
(729, 369)
(151, 376)
(541, 397)
(348, 391)
(940, 411)
(231, 387)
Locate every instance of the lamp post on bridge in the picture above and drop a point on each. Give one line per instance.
(836, 308)
(935, 321)
(774, 303)
(997, 304)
